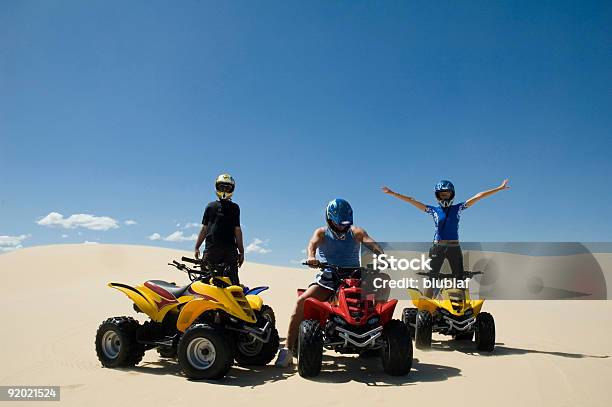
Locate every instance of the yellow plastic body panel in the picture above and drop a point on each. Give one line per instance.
(444, 301)
(230, 300)
(255, 301)
(205, 297)
(148, 301)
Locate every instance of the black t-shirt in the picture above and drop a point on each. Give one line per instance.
(221, 218)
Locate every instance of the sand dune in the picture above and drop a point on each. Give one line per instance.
(54, 298)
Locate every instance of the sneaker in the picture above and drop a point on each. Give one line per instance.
(285, 358)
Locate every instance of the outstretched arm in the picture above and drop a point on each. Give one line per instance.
(484, 194)
(405, 198)
(362, 236)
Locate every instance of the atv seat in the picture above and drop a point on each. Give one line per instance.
(171, 288)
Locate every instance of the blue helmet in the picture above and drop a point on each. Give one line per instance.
(445, 186)
(339, 215)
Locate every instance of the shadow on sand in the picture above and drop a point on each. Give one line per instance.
(369, 371)
(501, 350)
(237, 376)
(335, 369)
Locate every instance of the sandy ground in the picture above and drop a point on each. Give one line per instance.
(553, 353)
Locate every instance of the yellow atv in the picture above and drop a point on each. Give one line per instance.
(207, 323)
(450, 312)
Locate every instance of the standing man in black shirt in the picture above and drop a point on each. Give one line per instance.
(221, 229)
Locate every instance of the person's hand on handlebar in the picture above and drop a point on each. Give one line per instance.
(313, 263)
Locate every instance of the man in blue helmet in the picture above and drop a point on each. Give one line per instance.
(337, 243)
(446, 219)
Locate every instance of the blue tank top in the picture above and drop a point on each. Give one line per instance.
(339, 252)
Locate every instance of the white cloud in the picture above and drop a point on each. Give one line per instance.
(83, 220)
(154, 236)
(12, 241)
(10, 248)
(258, 246)
(130, 222)
(191, 225)
(64, 236)
(179, 237)
(88, 242)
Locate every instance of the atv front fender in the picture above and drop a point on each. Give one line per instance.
(477, 305)
(422, 302)
(139, 298)
(385, 310)
(193, 309)
(255, 301)
(315, 309)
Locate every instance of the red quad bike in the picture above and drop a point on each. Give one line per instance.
(350, 323)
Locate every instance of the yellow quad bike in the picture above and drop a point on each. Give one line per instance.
(208, 324)
(450, 312)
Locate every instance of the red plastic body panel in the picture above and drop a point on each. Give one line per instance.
(350, 305)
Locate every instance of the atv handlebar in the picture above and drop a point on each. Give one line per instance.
(207, 269)
(328, 266)
(190, 260)
(338, 269)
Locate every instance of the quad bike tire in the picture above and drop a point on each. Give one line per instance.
(256, 353)
(310, 348)
(205, 352)
(422, 334)
(409, 318)
(485, 332)
(464, 336)
(267, 313)
(397, 354)
(116, 344)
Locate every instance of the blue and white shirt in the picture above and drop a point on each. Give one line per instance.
(449, 229)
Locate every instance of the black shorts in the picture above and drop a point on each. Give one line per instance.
(327, 279)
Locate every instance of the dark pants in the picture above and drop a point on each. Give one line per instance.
(229, 257)
(453, 254)
(438, 253)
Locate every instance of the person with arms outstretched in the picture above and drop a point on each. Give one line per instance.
(446, 219)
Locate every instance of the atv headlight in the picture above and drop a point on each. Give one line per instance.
(339, 320)
(373, 320)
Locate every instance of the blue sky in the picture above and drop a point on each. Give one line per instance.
(129, 110)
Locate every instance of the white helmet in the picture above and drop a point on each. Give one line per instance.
(224, 186)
